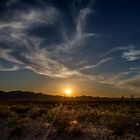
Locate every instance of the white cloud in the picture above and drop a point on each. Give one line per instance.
(14, 28)
(13, 68)
(133, 84)
(5, 54)
(32, 56)
(36, 59)
(131, 55)
(81, 23)
(41, 63)
(29, 18)
(127, 80)
(102, 61)
(119, 48)
(77, 38)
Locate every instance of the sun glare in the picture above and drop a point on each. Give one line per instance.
(68, 91)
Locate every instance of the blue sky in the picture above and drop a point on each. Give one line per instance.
(95, 44)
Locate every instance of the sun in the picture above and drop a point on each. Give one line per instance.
(68, 91)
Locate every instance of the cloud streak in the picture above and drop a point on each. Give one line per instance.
(26, 51)
(131, 55)
(78, 37)
(102, 61)
(133, 84)
(119, 48)
(13, 68)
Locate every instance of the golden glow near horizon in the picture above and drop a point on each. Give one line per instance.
(68, 91)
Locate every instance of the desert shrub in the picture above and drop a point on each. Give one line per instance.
(124, 120)
(50, 114)
(88, 115)
(16, 133)
(5, 112)
(62, 121)
(74, 132)
(59, 117)
(61, 125)
(17, 128)
(20, 109)
(120, 124)
(37, 112)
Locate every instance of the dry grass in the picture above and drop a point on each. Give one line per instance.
(74, 121)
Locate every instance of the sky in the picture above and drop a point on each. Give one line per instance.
(93, 45)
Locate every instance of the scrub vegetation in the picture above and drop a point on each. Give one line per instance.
(70, 120)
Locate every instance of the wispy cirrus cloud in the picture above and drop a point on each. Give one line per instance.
(102, 61)
(119, 48)
(132, 84)
(8, 68)
(25, 50)
(127, 80)
(42, 64)
(131, 55)
(5, 54)
(78, 37)
(21, 19)
(15, 23)
(36, 59)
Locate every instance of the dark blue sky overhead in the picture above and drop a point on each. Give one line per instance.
(95, 44)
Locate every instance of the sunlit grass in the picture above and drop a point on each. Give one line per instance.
(74, 120)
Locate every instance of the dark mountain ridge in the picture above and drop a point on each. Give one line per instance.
(32, 96)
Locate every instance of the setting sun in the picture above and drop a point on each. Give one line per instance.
(68, 91)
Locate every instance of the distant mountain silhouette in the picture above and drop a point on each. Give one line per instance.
(26, 96)
(31, 96)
